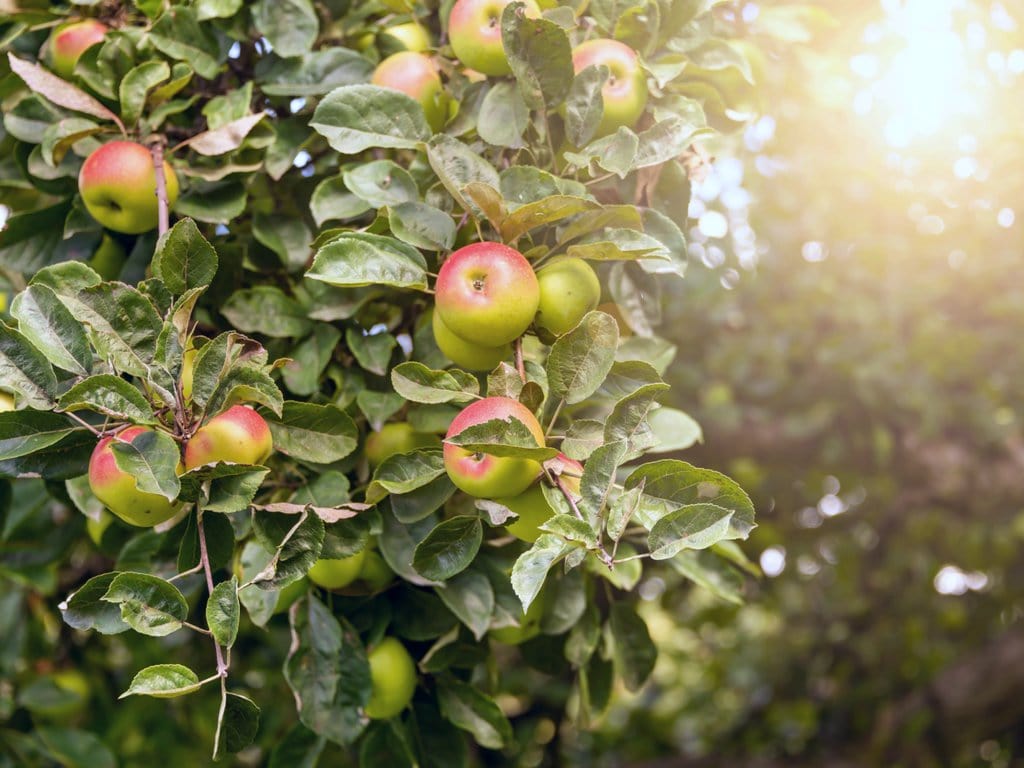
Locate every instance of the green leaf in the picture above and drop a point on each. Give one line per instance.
(543, 212)
(621, 245)
(531, 568)
(312, 74)
(381, 183)
(179, 34)
(584, 104)
(290, 26)
(110, 395)
(287, 236)
(85, 608)
(232, 487)
(449, 548)
(710, 572)
(332, 200)
(628, 419)
(582, 438)
(237, 726)
(470, 596)
(372, 351)
(695, 526)
(216, 9)
(355, 259)
(260, 603)
(25, 371)
(222, 612)
(226, 138)
(633, 650)
(123, 322)
(472, 711)
(266, 309)
(674, 430)
(296, 544)
(599, 475)
(665, 141)
(502, 437)
(149, 605)
(540, 56)
(309, 359)
(152, 459)
(571, 529)
(163, 681)
(75, 748)
(220, 543)
(62, 135)
(311, 432)
(419, 384)
(456, 165)
(354, 118)
(422, 226)
(580, 360)
(25, 432)
(503, 116)
(622, 509)
(405, 472)
(184, 259)
(136, 85)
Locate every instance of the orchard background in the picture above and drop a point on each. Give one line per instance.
(807, 229)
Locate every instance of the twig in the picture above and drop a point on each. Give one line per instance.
(554, 417)
(83, 422)
(189, 572)
(157, 150)
(520, 364)
(204, 558)
(198, 629)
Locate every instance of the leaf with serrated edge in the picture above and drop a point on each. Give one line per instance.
(163, 681)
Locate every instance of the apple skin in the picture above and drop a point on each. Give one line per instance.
(466, 354)
(532, 506)
(415, 75)
(109, 258)
(117, 489)
(69, 41)
(375, 573)
(625, 91)
(290, 594)
(487, 293)
(482, 475)
(569, 288)
(118, 187)
(396, 437)
(238, 435)
(393, 677)
(474, 29)
(336, 574)
(411, 36)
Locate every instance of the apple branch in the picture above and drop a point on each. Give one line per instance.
(157, 150)
(520, 364)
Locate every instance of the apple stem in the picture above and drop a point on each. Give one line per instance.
(84, 423)
(554, 418)
(204, 558)
(520, 364)
(157, 150)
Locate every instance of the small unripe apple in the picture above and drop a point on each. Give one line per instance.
(625, 91)
(532, 505)
(396, 437)
(69, 41)
(109, 258)
(529, 625)
(466, 354)
(118, 186)
(411, 36)
(289, 594)
(393, 679)
(238, 435)
(474, 28)
(335, 574)
(480, 474)
(375, 573)
(569, 288)
(415, 75)
(117, 489)
(487, 293)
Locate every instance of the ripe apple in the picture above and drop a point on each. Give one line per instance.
(393, 679)
(569, 288)
(466, 354)
(117, 489)
(474, 28)
(487, 293)
(532, 506)
(118, 187)
(69, 41)
(625, 91)
(335, 574)
(411, 36)
(480, 474)
(415, 75)
(109, 258)
(238, 435)
(396, 437)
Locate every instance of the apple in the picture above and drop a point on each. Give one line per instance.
(289, 594)
(474, 28)
(69, 41)
(6, 402)
(487, 293)
(238, 435)
(335, 574)
(480, 474)
(532, 505)
(415, 75)
(118, 187)
(528, 627)
(396, 438)
(569, 288)
(625, 91)
(375, 573)
(109, 258)
(393, 679)
(466, 354)
(117, 489)
(188, 369)
(96, 528)
(411, 36)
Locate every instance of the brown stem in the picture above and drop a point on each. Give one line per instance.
(520, 364)
(204, 558)
(157, 150)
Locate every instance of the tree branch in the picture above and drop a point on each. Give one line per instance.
(163, 207)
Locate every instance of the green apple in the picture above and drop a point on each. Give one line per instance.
(335, 574)
(108, 259)
(474, 28)
(238, 435)
(569, 288)
(415, 75)
(396, 437)
(375, 573)
(69, 41)
(289, 594)
(625, 91)
(6, 401)
(96, 528)
(117, 489)
(411, 36)
(528, 627)
(487, 293)
(118, 186)
(480, 474)
(466, 354)
(393, 679)
(532, 505)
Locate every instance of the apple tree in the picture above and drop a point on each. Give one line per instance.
(334, 375)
